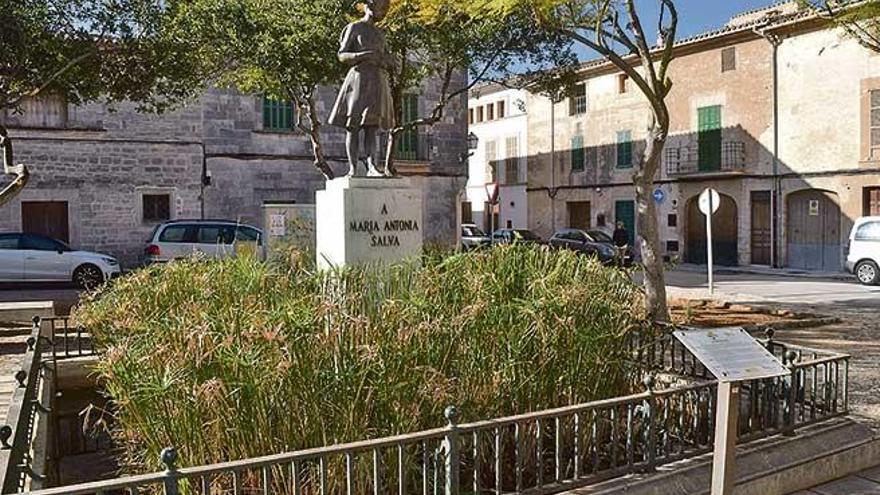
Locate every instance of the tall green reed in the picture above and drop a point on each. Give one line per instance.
(236, 358)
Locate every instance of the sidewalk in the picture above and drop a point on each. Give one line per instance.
(864, 483)
(764, 270)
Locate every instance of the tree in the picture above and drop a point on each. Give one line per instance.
(82, 50)
(434, 39)
(859, 19)
(614, 30)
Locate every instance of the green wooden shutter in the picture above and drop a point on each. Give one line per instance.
(624, 149)
(277, 115)
(577, 154)
(625, 211)
(709, 138)
(408, 141)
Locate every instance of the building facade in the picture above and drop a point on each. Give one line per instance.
(102, 178)
(776, 110)
(497, 116)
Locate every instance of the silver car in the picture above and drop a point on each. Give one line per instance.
(37, 258)
(209, 238)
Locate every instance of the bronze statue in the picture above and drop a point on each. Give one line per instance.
(364, 101)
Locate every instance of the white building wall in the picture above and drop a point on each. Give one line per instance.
(513, 203)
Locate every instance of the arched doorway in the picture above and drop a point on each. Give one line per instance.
(813, 230)
(724, 233)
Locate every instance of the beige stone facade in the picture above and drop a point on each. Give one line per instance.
(815, 158)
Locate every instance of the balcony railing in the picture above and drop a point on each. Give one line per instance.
(415, 148)
(685, 160)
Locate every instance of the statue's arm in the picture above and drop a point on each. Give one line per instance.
(347, 53)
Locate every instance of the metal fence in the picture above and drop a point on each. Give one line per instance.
(51, 340)
(538, 452)
(685, 160)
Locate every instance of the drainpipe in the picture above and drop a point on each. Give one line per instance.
(204, 180)
(552, 190)
(774, 41)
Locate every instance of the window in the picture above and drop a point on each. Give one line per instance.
(709, 138)
(491, 157)
(48, 111)
(408, 140)
(728, 59)
(9, 241)
(247, 234)
(156, 207)
(467, 212)
(470, 115)
(216, 234)
(490, 112)
(600, 220)
(41, 243)
(875, 123)
(622, 83)
(624, 149)
(577, 102)
(479, 114)
(501, 110)
(277, 115)
(178, 233)
(868, 232)
(577, 154)
(671, 246)
(511, 162)
(672, 220)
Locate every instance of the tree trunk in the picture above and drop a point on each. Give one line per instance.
(648, 225)
(314, 131)
(20, 172)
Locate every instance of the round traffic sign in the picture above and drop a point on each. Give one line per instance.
(710, 201)
(659, 195)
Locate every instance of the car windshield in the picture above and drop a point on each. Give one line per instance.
(526, 235)
(599, 236)
(473, 232)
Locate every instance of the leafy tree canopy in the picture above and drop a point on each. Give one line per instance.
(860, 19)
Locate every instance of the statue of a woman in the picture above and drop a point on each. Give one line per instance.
(364, 101)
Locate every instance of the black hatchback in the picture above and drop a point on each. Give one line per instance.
(591, 242)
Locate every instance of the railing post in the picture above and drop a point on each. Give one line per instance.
(169, 457)
(789, 359)
(450, 444)
(651, 432)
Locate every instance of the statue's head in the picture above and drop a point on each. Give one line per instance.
(378, 8)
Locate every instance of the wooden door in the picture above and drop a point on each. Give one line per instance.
(625, 211)
(761, 225)
(725, 235)
(579, 214)
(813, 231)
(48, 218)
(872, 201)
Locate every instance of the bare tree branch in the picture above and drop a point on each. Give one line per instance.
(19, 172)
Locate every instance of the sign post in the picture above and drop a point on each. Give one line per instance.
(709, 203)
(732, 356)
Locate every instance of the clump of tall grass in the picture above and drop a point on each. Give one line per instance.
(236, 358)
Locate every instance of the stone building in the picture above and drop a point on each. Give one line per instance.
(102, 178)
(775, 110)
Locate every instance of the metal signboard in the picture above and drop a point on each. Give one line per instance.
(731, 354)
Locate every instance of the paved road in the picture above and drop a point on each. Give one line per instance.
(64, 295)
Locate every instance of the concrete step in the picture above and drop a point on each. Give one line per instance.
(773, 466)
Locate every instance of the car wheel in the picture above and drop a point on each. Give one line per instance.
(88, 276)
(868, 273)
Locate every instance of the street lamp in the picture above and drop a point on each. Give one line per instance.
(472, 141)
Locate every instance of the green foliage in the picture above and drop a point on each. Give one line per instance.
(86, 49)
(859, 19)
(236, 358)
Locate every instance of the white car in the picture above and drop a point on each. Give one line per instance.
(863, 254)
(210, 238)
(37, 258)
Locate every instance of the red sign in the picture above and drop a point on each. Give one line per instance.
(492, 192)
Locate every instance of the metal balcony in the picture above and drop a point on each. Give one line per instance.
(685, 160)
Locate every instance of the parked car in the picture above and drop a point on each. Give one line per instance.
(591, 242)
(210, 238)
(510, 236)
(863, 251)
(472, 237)
(37, 258)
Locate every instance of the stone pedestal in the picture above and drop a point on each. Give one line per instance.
(367, 220)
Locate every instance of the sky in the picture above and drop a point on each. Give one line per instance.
(694, 16)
